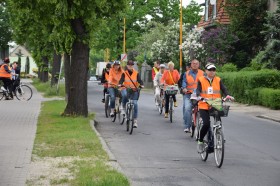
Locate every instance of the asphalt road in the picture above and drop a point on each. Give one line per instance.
(159, 153)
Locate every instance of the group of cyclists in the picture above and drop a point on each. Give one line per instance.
(126, 82)
(9, 74)
(202, 84)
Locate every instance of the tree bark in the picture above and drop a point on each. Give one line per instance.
(77, 97)
(44, 69)
(55, 68)
(67, 67)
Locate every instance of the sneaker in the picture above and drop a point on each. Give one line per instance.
(122, 111)
(166, 115)
(103, 100)
(135, 124)
(112, 114)
(187, 130)
(200, 147)
(175, 104)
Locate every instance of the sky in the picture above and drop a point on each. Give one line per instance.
(186, 2)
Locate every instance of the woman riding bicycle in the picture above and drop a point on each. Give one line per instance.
(208, 87)
(157, 83)
(104, 80)
(170, 77)
(115, 75)
(132, 81)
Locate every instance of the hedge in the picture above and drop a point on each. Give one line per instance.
(254, 87)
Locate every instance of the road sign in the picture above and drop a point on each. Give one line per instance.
(123, 57)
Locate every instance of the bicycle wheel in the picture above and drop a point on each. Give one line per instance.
(171, 109)
(131, 118)
(198, 127)
(219, 147)
(23, 92)
(194, 123)
(2, 94)
(127, 116)
(107, 105)
(204, 154)
(115, 115)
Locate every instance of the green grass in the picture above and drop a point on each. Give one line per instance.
(59, 136)
(48, 90)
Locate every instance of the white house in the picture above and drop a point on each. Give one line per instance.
(25, 56)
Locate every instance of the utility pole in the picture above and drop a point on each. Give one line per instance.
(181, 35)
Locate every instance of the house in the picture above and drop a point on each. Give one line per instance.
(215, 12)
(27, 63)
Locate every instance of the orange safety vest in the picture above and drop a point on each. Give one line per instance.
(192, 83)
(127, 82)
(114, 77)
(170, 78)
(3, 72)
(205, 84)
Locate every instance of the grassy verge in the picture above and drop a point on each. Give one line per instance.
(48, 90)
(71, 151)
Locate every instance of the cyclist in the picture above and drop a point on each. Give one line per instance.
(189, 85)
(155, 69)
(170, 77)
(16, 77)
(104, 80)
(157, 83)
(6, 76)
(132, 81)
(208, 87)
(115, 75)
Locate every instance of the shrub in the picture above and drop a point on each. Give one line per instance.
(270, 97)
(229, 67)
(244, 85)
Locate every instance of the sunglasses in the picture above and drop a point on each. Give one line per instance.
(212, 69)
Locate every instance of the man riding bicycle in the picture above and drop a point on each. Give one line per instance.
(189, 85)
(104, 80)
(6, 76)
(208, 87)
(157, 83)
(131, 80)
(115, 75)
(170, 77)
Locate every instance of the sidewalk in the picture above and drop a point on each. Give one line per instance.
(18, 121)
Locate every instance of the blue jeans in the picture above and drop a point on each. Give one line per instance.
(134, 96)
(112, 91)
(187, 111)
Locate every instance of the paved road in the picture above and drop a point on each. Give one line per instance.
(18, 121)
(160, 153)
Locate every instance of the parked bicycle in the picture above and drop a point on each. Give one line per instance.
(171, 90)
(214, 139)
(130, 109)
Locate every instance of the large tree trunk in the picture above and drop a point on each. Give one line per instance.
(77, 97)
(55, 68)
(67, 67)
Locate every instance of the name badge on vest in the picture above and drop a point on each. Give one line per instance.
(210, 90)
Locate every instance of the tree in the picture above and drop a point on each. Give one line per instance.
(271, 54)
(5, 29)
(191, 13)
(246, 21)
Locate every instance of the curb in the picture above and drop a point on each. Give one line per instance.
(268, 118)
(112, 159)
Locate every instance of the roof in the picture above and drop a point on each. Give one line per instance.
(19, 50)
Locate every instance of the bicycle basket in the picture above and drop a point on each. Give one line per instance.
(171, 90)
(224, 112)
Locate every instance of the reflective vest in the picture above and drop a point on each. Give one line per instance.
(192, 83)
(205, 84)
(114, 77)
(127, 80)
(3, 72)
(156, 70)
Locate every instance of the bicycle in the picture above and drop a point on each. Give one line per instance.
(215, 136)
(107, 105)
(170, 91)
(117, 110)
(130, 110)
(22, 92)
(195, 115)
(161, 104)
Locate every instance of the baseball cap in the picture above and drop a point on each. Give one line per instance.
(130, 62)
(209, 66)
(161, 66)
